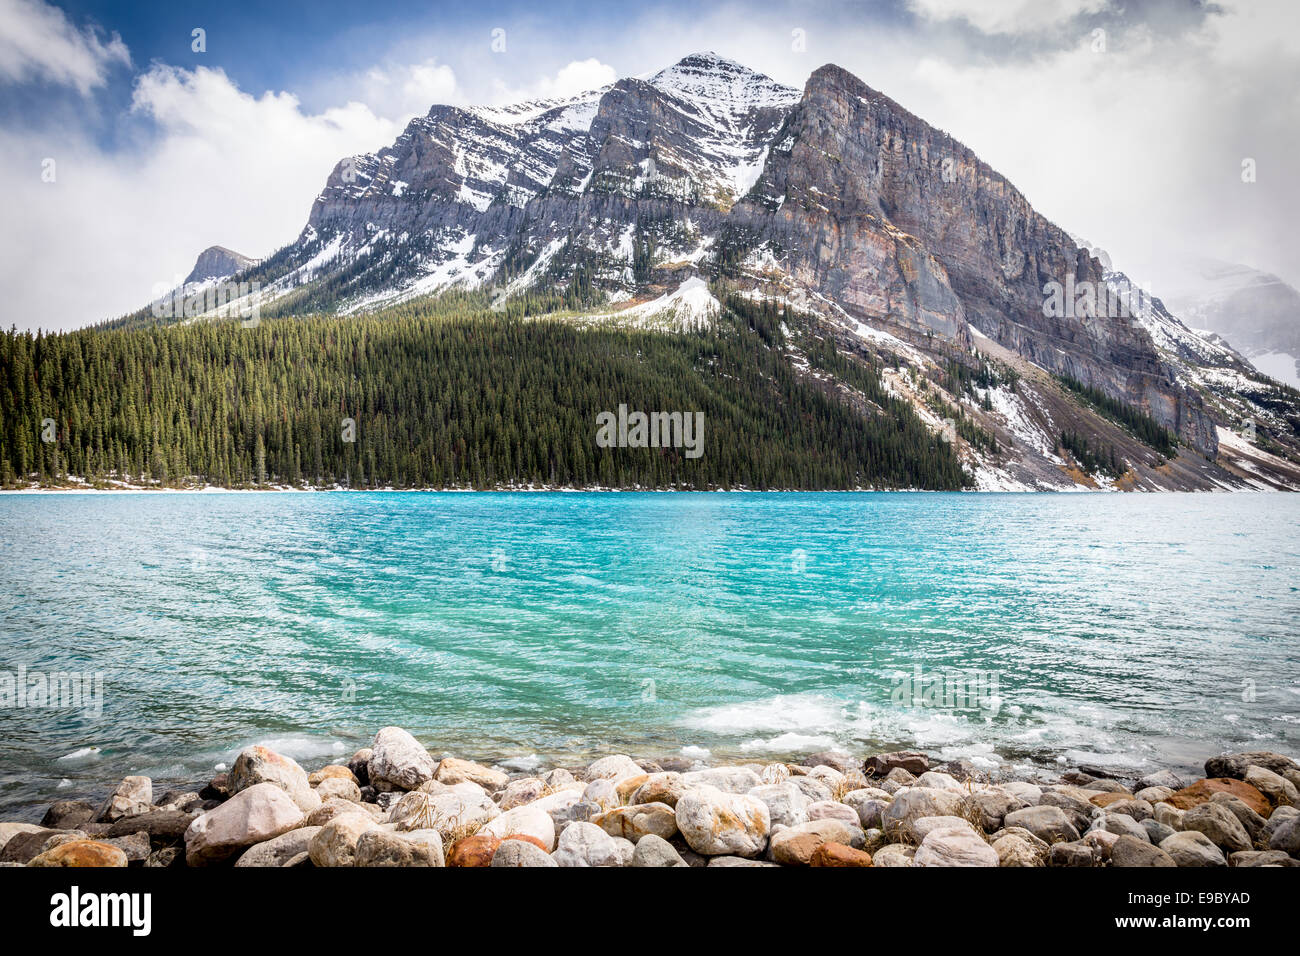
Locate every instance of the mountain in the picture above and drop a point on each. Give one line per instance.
(1256, 311)
(217, 262)
(665, 203)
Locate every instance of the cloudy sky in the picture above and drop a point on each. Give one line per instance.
(125, 151)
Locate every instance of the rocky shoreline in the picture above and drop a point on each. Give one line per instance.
(395, 804)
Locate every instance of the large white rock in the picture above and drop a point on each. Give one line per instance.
(398, 761)
(259, 764)
(954, 846)
(1193, 848)
(913, 803)
(585, 844)
(715, 823)
(278, 850)
(255, 815)
(528, 820)
(726, 779)
(134, 795)
(615, 767)
(385, 846)
(520, 853)
(445, 811)
(336, 843)
(787, 805)
(633, 823)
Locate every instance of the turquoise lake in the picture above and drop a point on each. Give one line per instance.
(1128, 630)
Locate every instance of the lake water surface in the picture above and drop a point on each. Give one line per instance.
(1143, 630)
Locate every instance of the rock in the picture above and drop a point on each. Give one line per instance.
(954, 846)
(22, 846)
(615, 768)
(1235, 765)
(335, 807)
(1248, 818)
(339, 788)
(217, 788)
(559, 777)
(869, 803)
(398, 761)
(737, 780)
(1280, 791)
(832, 778)
(935, 780)
(893, 854)
(913, 761)
(1286, 838)
(991, 805)
(1071, 853)
(737, 861)
(1129, 851)
(335, 844)
(1110, 786)
(167, 856)
(161, 825)
(1121, 824)
(476, 850)
(256, 765)
(839, 854)
(81, 853)
(896, 780)
(1154, 795)
(912, 804)
(1028, 792)
(133, 795)
(831, 810)
(522, 791)
(835, 759)
(582, 811)
(384, 846)
(1193, 848)
(1076, 806)
(812, 788)
(922, 827)
(359, 764)
(652, 851)
(1139, 810)
(452, 771)
(277, 851)
(716, 823)
(447, 811)
(633, 823)
(521, 853)
(585, 844)
(624, 788)
(1279, 817)
(528, 820)
(1016, 851)
(9, 830)
(1251, 858)
(603, 792)
(1162, 778)
(1048, 823)
(795, 845)
(1202, 790)
(665, 787)
(135, 845)
(1169, 815)
(1219, 824)
(1157, 831)
(68, 815)
(251, 816)
(333, 771)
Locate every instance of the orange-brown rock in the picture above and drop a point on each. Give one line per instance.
(625, 788)
(81, 853)
(1201, 791)
(837, 854)
(332, 770)
(1106, 799)
(474, 851)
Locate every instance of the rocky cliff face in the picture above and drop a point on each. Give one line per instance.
(217, 262)
(850, 203)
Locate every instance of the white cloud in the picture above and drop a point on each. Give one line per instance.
(37, 42)
(576, 77)
(1007, 16)
(226, 168)
(406, 90)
